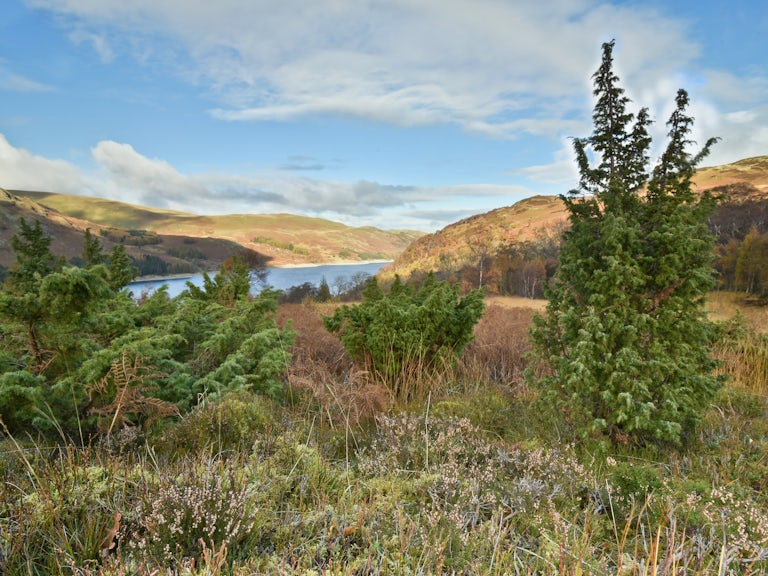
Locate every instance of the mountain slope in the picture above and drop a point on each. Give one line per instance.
(181, 253)
(284, 238)
(481, 235)
(463, 243)
(751, 171)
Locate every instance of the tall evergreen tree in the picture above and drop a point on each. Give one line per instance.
(324, 291)
(19, 299)
(34, 259)
(92, 250)
(624, 342)
(121, 272)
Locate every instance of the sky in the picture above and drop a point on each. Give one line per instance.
(400, 114)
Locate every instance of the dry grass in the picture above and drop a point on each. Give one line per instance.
(743, 347)
(322, 369)
(745, 362)
(314, 344)
(497, 354)
(537, 305)
(726, 305)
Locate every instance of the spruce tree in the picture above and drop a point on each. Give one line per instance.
(624, 343)
(19, 297)
(34, 259)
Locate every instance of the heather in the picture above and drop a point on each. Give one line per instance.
(337, 478)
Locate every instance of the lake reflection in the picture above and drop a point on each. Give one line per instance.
(279, 278)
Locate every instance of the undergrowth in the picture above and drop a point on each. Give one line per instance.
(338, 479)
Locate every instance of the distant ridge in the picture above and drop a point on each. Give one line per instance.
(461, 243)
(67, 231)
(281, 238)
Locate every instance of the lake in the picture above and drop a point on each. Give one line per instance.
(279, 278)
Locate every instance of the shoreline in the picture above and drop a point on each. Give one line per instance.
(159, 278)
(342, 263)
(187, 276)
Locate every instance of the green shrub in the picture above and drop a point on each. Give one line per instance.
(407, 332)
(20, 394)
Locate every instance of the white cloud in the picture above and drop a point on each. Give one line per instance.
(22, 170)
(12, 82)
(126, 175)
(152, 181)
(723, 86)
(98, 42)
(563, 172)
(497, 68)
(483, 64)
(743, 133)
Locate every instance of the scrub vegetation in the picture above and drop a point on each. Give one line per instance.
(334, 476)
(620, 428)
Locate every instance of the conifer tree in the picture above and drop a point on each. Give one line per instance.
(47, 302)
(34, 259)
(92, 250)
(324, 291)
(121, 272)
(230, 284)
(624, 342)
(19, 299)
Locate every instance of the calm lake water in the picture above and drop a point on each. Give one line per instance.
(279, 278)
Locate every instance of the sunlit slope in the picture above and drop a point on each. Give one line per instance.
(286, 238)
(534, 218)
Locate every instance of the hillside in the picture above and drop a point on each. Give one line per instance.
(750, 171)
(282, 238)
(205, 241)
(743, 184)
(181, 253)
(478, 236)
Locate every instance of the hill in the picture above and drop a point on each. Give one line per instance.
(743, 186)
(279, 238)
(180, 253)
(481, 236)
(203, 242)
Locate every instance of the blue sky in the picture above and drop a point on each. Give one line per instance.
(392, 113)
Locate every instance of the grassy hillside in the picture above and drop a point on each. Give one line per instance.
(752, 171)
(284, 238)
(742, 183)
(179, 251)
(469, 239)
(292, 239)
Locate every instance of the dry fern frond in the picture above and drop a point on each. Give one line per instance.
(126, 384)
(109, 542)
